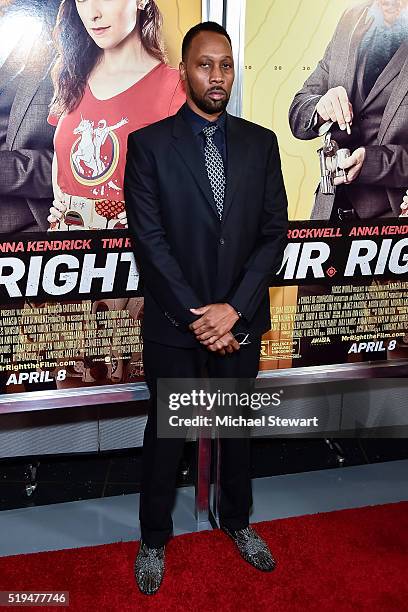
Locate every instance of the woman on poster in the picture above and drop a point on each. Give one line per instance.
(110, 79)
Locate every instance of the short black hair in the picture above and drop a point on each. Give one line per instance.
(205, 26)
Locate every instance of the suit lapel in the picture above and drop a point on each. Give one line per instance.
(186, 146)
(347, 61)
(392, 69)
(36, 69)
(237, 152)
(12, 64)
(399, 90)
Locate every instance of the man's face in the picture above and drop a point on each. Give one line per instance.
(208, 71)
(391, 10)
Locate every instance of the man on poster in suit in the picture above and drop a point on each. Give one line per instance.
(207, 210)
(26, 139)
(362, 81)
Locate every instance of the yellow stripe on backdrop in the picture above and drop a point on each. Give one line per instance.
(178, 17)
(284, 40)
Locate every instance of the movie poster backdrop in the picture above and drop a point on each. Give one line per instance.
(344, 277)
(71, 302)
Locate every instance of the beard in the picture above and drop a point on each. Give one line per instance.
(208, 106)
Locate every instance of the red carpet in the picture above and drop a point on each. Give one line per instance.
(350, 560)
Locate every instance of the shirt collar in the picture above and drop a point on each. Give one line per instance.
(376, 14)
(197, 122)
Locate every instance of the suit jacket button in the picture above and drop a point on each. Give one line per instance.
(222, 241)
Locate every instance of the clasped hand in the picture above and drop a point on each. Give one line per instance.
(213, 328)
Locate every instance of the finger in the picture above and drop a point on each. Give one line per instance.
(350, 161)
(198, 311)
(202, 310)
(205, 335)
(234, 344)
(56, 213)
(198, 324)
(321, 109)
(344, 104)
(60, 206)
(210, 340)
(330, 112)
(201, 325)
(340, 180)
(204, 329)
(229, 349)
(52, 219)
(353, 173)
(222, 352)
(404, 202)
(218, 332)
(217, 345)
(214, 347)
(222, 343)
(339, 112)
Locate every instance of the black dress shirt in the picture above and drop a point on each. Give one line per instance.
(197, 124)
(380, 44)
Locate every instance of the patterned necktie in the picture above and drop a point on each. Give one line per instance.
(215, 168)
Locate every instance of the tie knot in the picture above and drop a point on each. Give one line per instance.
(210, 130)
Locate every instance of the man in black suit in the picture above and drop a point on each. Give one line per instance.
(207, 210)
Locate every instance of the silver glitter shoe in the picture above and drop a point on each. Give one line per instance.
(149, 568)
(252, 548)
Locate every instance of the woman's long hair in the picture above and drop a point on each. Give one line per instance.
(78, 53)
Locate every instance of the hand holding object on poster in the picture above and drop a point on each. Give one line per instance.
(98, 211)
(335, 106)
(353, 164)
(404, 205)
(330, 159)
(58, 208)
(58, 211)
(215, 321)
(373, 72)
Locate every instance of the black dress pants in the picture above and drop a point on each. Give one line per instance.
(161, 456)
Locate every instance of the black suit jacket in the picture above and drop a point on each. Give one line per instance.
(187, 257)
